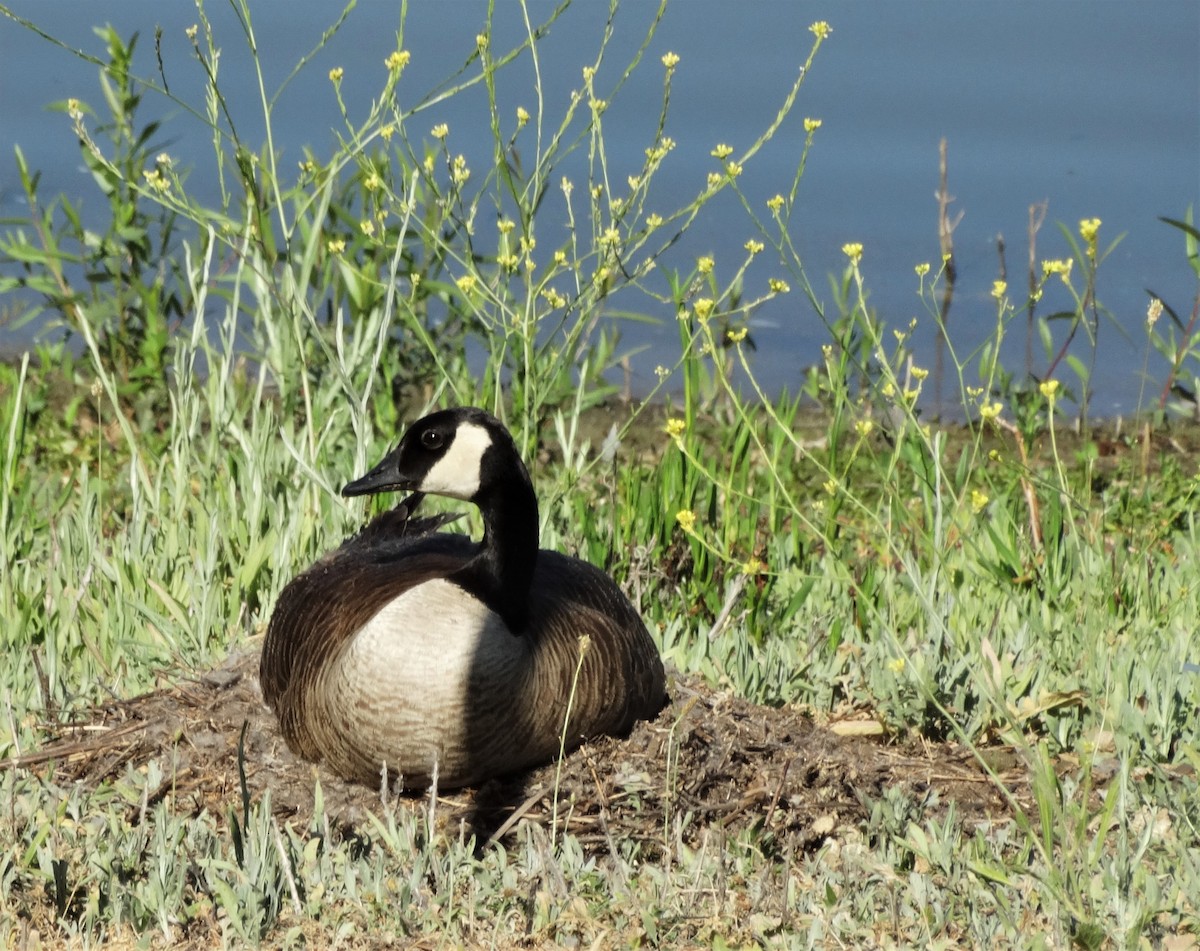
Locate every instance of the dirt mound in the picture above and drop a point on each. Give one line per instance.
(709, 761)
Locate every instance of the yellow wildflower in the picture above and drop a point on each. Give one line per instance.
(990, 411)
(978, 501)
(722, 151)
(440, 131)
(466, 283)
(670, 60)
(922, 269)
(753, 566)
(998, 289)
(336, 74)
(778, 286)
(811, 125)
(820, 30)
(896, 665)
(863, 427)
(1048, 389)
(705, 265)
(703, 308)
(156, 180)
(1154, 311)
(675, 427)
(335, 245)
(554, 298)
(853, 250)
(397, 60)
(752, 246)
(1088, 229)
(659, 151)
(522, 116)
(686, 519)
(1059, 267)
(775, 202)
(736, 336)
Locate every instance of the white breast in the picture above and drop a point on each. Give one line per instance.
(408, 681)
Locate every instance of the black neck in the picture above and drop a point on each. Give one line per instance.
(502, 573)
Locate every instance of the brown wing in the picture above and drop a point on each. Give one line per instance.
(621, 679)
(323, 607)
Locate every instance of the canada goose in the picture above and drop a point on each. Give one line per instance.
(422, 651)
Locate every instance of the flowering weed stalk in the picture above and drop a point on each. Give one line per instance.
(1179, 342)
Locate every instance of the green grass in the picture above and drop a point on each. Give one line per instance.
(998, 582)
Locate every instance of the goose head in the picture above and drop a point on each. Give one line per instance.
(468, 454)
(464, 454)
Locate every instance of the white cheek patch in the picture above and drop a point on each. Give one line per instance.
(457, 473)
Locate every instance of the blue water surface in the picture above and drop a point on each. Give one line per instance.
(1092, 107)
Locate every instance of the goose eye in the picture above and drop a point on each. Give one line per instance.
(431, 439)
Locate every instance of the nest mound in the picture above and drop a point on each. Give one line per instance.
(710, 761)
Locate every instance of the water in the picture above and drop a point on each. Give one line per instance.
(1093, 107)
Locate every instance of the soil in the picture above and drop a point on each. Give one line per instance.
(709, 762)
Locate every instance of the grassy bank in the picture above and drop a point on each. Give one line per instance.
(1018, 591)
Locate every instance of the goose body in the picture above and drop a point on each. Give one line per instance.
(427, 653)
